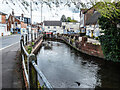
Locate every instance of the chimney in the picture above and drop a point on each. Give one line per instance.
(22, 15)
(12, 12)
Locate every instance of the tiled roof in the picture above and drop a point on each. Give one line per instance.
(52, 23)
(93, 19)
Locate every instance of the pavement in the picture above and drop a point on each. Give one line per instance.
(10, 70)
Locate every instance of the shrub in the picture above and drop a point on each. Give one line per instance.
(29, 49)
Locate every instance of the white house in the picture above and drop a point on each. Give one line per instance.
(82, 18)
(53, 26)
(85, 14)
(26, 23)
(70, 27)
(92, 26)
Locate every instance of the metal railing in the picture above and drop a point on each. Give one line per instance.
(30, 67)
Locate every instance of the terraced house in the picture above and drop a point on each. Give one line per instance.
(85, 15)
(92, 26)
(18, 24)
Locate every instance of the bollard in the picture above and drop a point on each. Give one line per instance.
(22, 38)
(35, 35)
(21, 41)
(31, 37)
(32, 72)
(26, 39)
(2, 34)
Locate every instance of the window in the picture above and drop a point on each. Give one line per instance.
(0, 18)
(25, 20)
(63, 27)
(48, 27)
(74, 23)
(15, 23)
(54, 27)
(97, 26)
(22, 18)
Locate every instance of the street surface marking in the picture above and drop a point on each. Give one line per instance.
(9, 46)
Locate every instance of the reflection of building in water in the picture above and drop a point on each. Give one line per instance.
(108, 75)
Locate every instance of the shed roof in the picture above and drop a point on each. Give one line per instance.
(52, 23)
(93, 19)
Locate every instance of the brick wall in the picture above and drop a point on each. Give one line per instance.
(23, 25)
(12, 21)
(91, 49)
(3, 19)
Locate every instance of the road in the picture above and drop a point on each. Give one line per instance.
(8, 40)
(9, 77)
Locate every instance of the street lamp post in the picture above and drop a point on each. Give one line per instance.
(41, 11)
(80, 19)
(31, 19)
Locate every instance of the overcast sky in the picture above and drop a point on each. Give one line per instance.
(48, 13)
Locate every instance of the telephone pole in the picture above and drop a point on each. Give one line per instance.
(41, 11)
(31, 19)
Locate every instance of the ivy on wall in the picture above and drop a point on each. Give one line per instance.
(110, 17)
(110, 41)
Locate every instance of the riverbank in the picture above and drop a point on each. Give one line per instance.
(82, 46)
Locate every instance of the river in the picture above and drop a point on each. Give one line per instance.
(65, 67)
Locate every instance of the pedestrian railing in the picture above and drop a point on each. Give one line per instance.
(31, 71)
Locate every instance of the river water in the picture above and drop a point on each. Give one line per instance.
(66, 68)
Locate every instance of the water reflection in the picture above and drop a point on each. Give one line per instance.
(66, 68)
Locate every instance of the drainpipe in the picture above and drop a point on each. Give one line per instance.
(92, 33)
